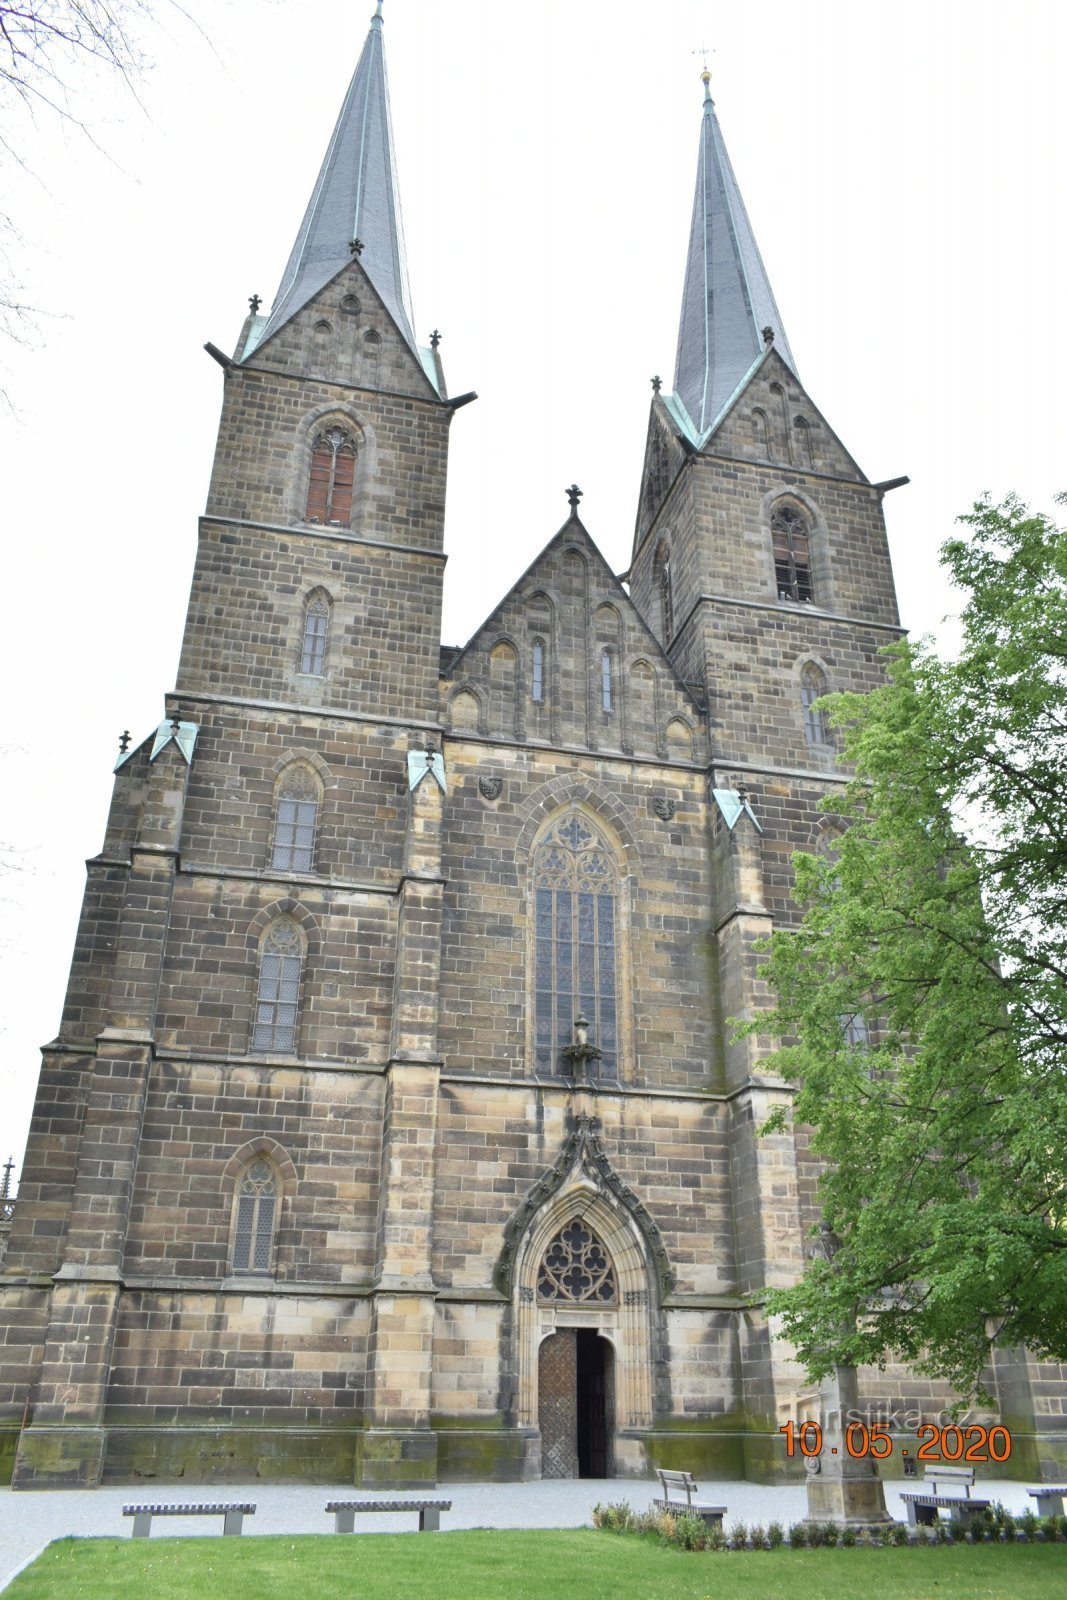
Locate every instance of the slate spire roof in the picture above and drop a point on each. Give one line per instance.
(355, 197)
(727, 300)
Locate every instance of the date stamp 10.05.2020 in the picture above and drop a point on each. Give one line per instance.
(973, 1444)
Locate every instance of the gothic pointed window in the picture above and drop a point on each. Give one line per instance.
(576, 1267)
(792, 553)
(316, 629)
(253, 1234)
(607, 693)
(278, 996)
(812, 686)
(537, 674)
(576, 926)
(295, 817)
(333, 473)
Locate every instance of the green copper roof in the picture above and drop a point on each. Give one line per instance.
(355, 197)
(727, 300)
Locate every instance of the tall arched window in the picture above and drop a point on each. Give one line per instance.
(537, 674)
(278, 996)
(666, 597)
(333, 473)
(607, 697)
(792, 553)
(316, 629)
(295, 816)
(576, 889)
(257, 1204)
(812, 685)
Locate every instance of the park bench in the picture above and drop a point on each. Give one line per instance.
(231, 1513)
(924, 1505)
(344, 1512)
(677, 1484)
(1049, 1499)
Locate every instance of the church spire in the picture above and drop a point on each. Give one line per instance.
(727, 300)
(355, 205)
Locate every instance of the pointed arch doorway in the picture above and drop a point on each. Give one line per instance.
(576, 1404)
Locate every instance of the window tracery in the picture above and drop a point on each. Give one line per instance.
(812, 687)
(253, 1238)
(295, 818)
(316, 630)
(278, 995)
(576, 1267)
(576, 886)
(333, 473)
(792, 553)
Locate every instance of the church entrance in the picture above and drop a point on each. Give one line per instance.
(576, 1411)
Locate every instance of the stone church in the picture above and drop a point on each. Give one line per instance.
(394, 1130)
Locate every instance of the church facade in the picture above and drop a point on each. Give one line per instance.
(395, 1130)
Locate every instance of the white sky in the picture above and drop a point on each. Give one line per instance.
(902, 164)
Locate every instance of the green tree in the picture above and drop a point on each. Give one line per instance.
(923, 996)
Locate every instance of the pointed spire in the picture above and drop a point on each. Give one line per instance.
(727, 301)
(355, 205)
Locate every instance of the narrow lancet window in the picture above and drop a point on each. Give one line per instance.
(316, 628)
(812, 686)
(278, 997)
(792, 553)
(253, 1238)
(333, 474)
(295, 818)
(576, 887)
(606, 693)
(537, 676)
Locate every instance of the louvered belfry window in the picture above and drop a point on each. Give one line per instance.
(313, 644)
(792, 553)
(333, 473)
(279, 990)
(256, 1205)
(294, 823)
(576, 885)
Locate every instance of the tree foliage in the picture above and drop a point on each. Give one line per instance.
(940, 918)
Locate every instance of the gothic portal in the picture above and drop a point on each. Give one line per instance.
(394, 1130)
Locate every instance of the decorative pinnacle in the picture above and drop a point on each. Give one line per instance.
(254, 303)
(355, 247)
(705, 78)
(435, 339)
(768, 335)
(176, 721)
(574, 494)
(657, 384)
(124, 741)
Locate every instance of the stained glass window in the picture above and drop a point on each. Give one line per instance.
(294, 823)
(575, 903)
(254, 1233)
(576, 1266)
(812, 685)
(333, 472)
(313, 644)
(792, 554)
(279, 990)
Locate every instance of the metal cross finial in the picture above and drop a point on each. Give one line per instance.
(435, 339)
(254, 303)
(124, 741)
(356, 246)
(768, 335)
(574, 494)
(657, 384)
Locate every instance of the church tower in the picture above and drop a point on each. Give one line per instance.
(395, 1130)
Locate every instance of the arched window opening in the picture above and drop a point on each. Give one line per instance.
(278, 997)
(812, 686)
(333, 473)
(666, 597)
(313, 644)
(295, 818)
(606, 691)
(792, 553)
(257, 1201)
(857, 1034)
(576, 886)
(576, 1267)
(537, 675)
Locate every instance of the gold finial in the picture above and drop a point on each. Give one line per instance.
(705, 78)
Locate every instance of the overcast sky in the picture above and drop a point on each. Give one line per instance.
(903, 167)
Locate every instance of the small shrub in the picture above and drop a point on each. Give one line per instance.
(716, 1539)
(690, 1533)
(757, 1535)
(775, 1534)
(830, 1534)
(738, 1535)
(798, 1536)
(899, 1533)
(616, 1517)
(941, 1531)
(848, 1537)
(1028, 1524)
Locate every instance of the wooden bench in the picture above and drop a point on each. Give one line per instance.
(1049, 1499)
(232, 1515)
(344, 1512)
(677, 1484)
(924, 1505)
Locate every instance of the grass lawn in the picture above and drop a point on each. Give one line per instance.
(573, 1564)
